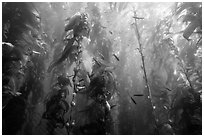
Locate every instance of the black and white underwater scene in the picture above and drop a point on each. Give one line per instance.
(101, 68)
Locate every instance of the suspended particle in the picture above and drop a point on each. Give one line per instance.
(154, 107)
(111, 107)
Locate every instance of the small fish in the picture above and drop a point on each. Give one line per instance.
(138, 17)
(168, 89)
(97, 62)
(18, 93)
(45, 34)
(21, 72)
(110, 32)
(80, 88)
(81, 80)
(116, 57)
(38, 17)
(73, 123)
(74, 95)
(103, 27)
(73, 104)
(101, 55)
(138, 95)
(36, 52)
(39, 38)
(54, 40)
(133, 101)
(165, 107)
(8, 44)
(113, 106)
(108, 107)
(67, 19)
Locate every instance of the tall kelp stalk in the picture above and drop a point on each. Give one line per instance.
(140, 49)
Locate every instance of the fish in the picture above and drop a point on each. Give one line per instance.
(108, 107)
(102, 57)
(112, 106)
(68, 18)
(80, 88)
(138, 95)
(165, 107)
(97, 62)
(133, 101)
(138, 17)
(8, 44)
(167, 89)
(116, 57)
(36, 52)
